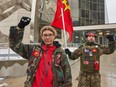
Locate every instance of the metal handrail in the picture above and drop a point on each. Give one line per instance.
(7, 54)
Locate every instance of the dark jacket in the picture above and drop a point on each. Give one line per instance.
(90, 53)
(60, 65)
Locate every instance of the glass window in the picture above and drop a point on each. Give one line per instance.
(88, 0)
(90, 6)
(99, 16)
(98, 21)
(87, 5)
(82, 21)
(90, 21)
(97, 6)
(87, 14)
(94, 0)
(83, 6)
(102, 22)
(91, 15)
(94, 15)
(97, 1)
(87, 21)
(94, 6)
(79, 4)
(101, 8)
(91, 0)
(83, 13)
(102, 16)
(101, 1)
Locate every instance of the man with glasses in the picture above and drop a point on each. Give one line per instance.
(89, 54)
(48, 65)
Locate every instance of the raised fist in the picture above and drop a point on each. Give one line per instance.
(24, 22)
(110, 37)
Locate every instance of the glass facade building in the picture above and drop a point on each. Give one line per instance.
(83, 12)
(91, 12)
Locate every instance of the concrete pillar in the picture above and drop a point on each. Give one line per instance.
(35, 19)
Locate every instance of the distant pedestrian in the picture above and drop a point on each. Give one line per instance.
(89, 54)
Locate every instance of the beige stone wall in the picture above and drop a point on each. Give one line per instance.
(13, 68)
(13, 20)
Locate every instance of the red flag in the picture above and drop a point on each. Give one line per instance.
(57, 22)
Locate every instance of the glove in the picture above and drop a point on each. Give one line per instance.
(24, 22)
(110, 37)
(68, 52)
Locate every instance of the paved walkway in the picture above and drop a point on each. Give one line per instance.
(108, 73)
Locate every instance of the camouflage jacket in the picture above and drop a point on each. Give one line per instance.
(90, 53)
(61, 69)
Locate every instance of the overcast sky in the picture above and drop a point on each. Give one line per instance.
(111, 10)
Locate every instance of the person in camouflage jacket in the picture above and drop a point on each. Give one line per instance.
(89, 54)
(48, 65)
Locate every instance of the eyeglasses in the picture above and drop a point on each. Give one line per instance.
(48, 35)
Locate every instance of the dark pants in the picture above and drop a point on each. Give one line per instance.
(89, 79)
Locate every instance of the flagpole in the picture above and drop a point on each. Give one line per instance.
(64, 31)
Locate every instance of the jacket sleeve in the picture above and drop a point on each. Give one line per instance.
(15, 42)
(66, 71)
(76, 54)
(108, 49)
